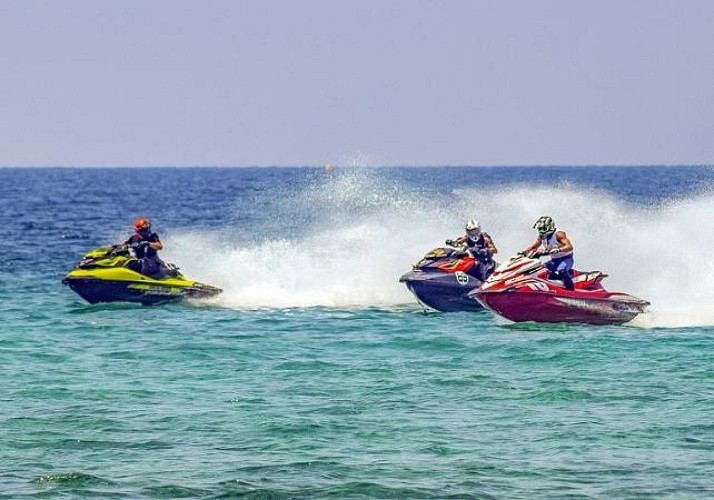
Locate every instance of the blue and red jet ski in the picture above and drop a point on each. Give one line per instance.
(442, 280)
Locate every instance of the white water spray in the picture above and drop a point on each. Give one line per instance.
(365, 232)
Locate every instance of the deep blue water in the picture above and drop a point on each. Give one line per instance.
(316, 375)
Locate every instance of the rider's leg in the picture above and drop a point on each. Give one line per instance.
(149, 267)
(552, 267)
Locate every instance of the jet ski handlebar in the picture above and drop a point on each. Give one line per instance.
(119, 250)
(531, 255)
(138, 244)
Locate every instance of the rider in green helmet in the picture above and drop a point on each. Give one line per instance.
(556, 244)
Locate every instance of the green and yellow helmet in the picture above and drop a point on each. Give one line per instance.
(544, 225)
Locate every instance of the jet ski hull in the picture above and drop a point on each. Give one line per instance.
(438, 291)
(97, 290)
(596, 307)
(522, 290)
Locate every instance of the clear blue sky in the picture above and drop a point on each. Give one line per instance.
(398, 82)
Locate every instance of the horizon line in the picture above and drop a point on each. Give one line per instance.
(335, 166)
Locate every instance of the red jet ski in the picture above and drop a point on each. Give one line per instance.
(519, 290)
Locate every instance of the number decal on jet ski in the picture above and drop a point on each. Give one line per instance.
(462, 278)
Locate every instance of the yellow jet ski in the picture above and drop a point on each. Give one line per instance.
(110, 274)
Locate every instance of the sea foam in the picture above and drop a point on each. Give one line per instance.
(343, 240)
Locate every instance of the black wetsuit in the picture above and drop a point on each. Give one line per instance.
(484, 258)
(148, 257)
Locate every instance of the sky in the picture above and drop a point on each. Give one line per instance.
(368, 82)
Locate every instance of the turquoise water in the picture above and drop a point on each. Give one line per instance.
(323, 379)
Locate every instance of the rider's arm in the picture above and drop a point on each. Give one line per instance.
(156, 245)
(490, 244)
(564, 242)
(533, 247)
(461, 240)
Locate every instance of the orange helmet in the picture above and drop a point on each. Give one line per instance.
(142, 223)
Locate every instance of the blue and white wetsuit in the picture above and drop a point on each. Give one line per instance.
(561, 263)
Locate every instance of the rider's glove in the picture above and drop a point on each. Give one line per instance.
(554, 251)
(451, 243)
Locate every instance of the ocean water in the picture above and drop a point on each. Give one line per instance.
(316, 375)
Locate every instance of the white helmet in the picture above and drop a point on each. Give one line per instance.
(473, 228)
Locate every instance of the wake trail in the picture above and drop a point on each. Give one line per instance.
(351, 234)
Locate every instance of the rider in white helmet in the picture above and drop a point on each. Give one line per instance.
(479, 245)
(556, 244)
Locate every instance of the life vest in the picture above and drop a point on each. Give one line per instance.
(479, 244)
(147, 252)
(549, 242)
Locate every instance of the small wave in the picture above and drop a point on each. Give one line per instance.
(350, 489)
(71, 479)
(174, 491)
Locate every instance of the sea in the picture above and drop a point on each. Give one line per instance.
(316, 375)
